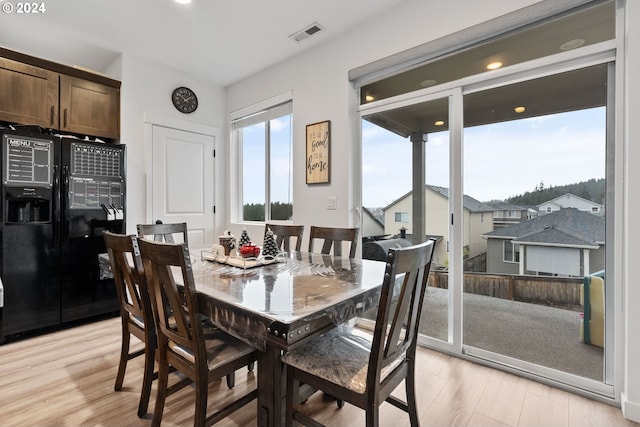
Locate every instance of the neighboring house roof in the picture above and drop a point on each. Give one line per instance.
(376, 214)
(468, 202)
(566, 227)
(505, 206)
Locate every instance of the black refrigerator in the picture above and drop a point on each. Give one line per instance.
(58, 195)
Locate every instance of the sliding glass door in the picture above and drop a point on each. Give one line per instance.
(405, 181)
(503, 151)
(539, 162)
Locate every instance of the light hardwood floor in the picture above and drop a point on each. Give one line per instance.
(66, 379)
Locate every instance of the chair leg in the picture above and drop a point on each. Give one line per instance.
(124, 355)
(163, 379)
(200, 417)
(373, 415)
(293, 396)
(410, 387)
(149, 364)
(231, 380)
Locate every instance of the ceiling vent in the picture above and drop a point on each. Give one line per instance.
(307, 32)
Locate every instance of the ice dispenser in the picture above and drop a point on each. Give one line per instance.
(27, 205)
(28, 165)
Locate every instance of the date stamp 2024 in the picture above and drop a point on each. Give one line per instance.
(23, 7)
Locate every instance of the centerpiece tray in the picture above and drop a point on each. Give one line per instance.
(240, 262)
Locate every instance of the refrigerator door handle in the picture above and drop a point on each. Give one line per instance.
(64, 223)
(56, 206)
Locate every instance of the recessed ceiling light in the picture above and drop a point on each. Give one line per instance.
(572, 44)
(519, 109)
(439, 123)
(494, 65)
(183, 1)
(427, 83)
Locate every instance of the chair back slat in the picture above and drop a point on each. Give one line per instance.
(333, 237)
(400, 318)
(403, 290)
(173, 306)
(164, 232)
(284, 234)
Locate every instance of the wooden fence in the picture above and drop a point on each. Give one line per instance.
(552, 291)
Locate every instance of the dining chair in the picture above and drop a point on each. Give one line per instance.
(334, 237)
(284, 234)
(135, 309)
(364, 370)
(182, 342)
(164, 232)
(167, 233)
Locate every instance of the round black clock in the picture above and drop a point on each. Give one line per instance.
(184, 100)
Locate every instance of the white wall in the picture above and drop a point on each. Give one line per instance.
(146, 95)
(321, 91)
(631, 227)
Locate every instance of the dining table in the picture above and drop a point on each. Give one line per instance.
(278, 304)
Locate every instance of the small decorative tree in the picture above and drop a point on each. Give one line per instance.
(244, 238)
(269, 247)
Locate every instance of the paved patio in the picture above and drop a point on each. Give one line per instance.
(538, 334)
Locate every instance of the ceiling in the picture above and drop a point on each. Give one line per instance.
(222, 41)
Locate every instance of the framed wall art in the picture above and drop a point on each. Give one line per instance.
(318, 152)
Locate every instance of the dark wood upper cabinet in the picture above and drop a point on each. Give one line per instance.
(34, 91)
(89, 108)
(28, 94)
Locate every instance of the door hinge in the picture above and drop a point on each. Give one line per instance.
(214, 154)
(214, 209)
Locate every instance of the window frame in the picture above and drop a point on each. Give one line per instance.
(262, 112)
(404, 217)
(515, 252)
(608, 51)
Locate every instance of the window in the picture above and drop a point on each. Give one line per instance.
(264, 143)
(402, 217)
(511, 251)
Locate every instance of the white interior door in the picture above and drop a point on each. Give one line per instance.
(182, 181)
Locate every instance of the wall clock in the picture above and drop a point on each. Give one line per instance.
(184, 99)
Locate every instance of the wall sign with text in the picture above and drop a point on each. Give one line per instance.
(318, 144)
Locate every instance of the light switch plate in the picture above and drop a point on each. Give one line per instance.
(332, 203)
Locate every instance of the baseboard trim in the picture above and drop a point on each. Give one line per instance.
(630, 410)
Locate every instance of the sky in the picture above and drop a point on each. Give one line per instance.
(500, 160)
(280, 161)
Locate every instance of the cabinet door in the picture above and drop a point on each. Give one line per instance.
(28, 94)
(89, 108)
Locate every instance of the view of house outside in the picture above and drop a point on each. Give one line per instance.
(534, 222)
(512, 164)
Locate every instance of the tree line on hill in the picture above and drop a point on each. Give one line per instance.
(593, 190)
(255, 211)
